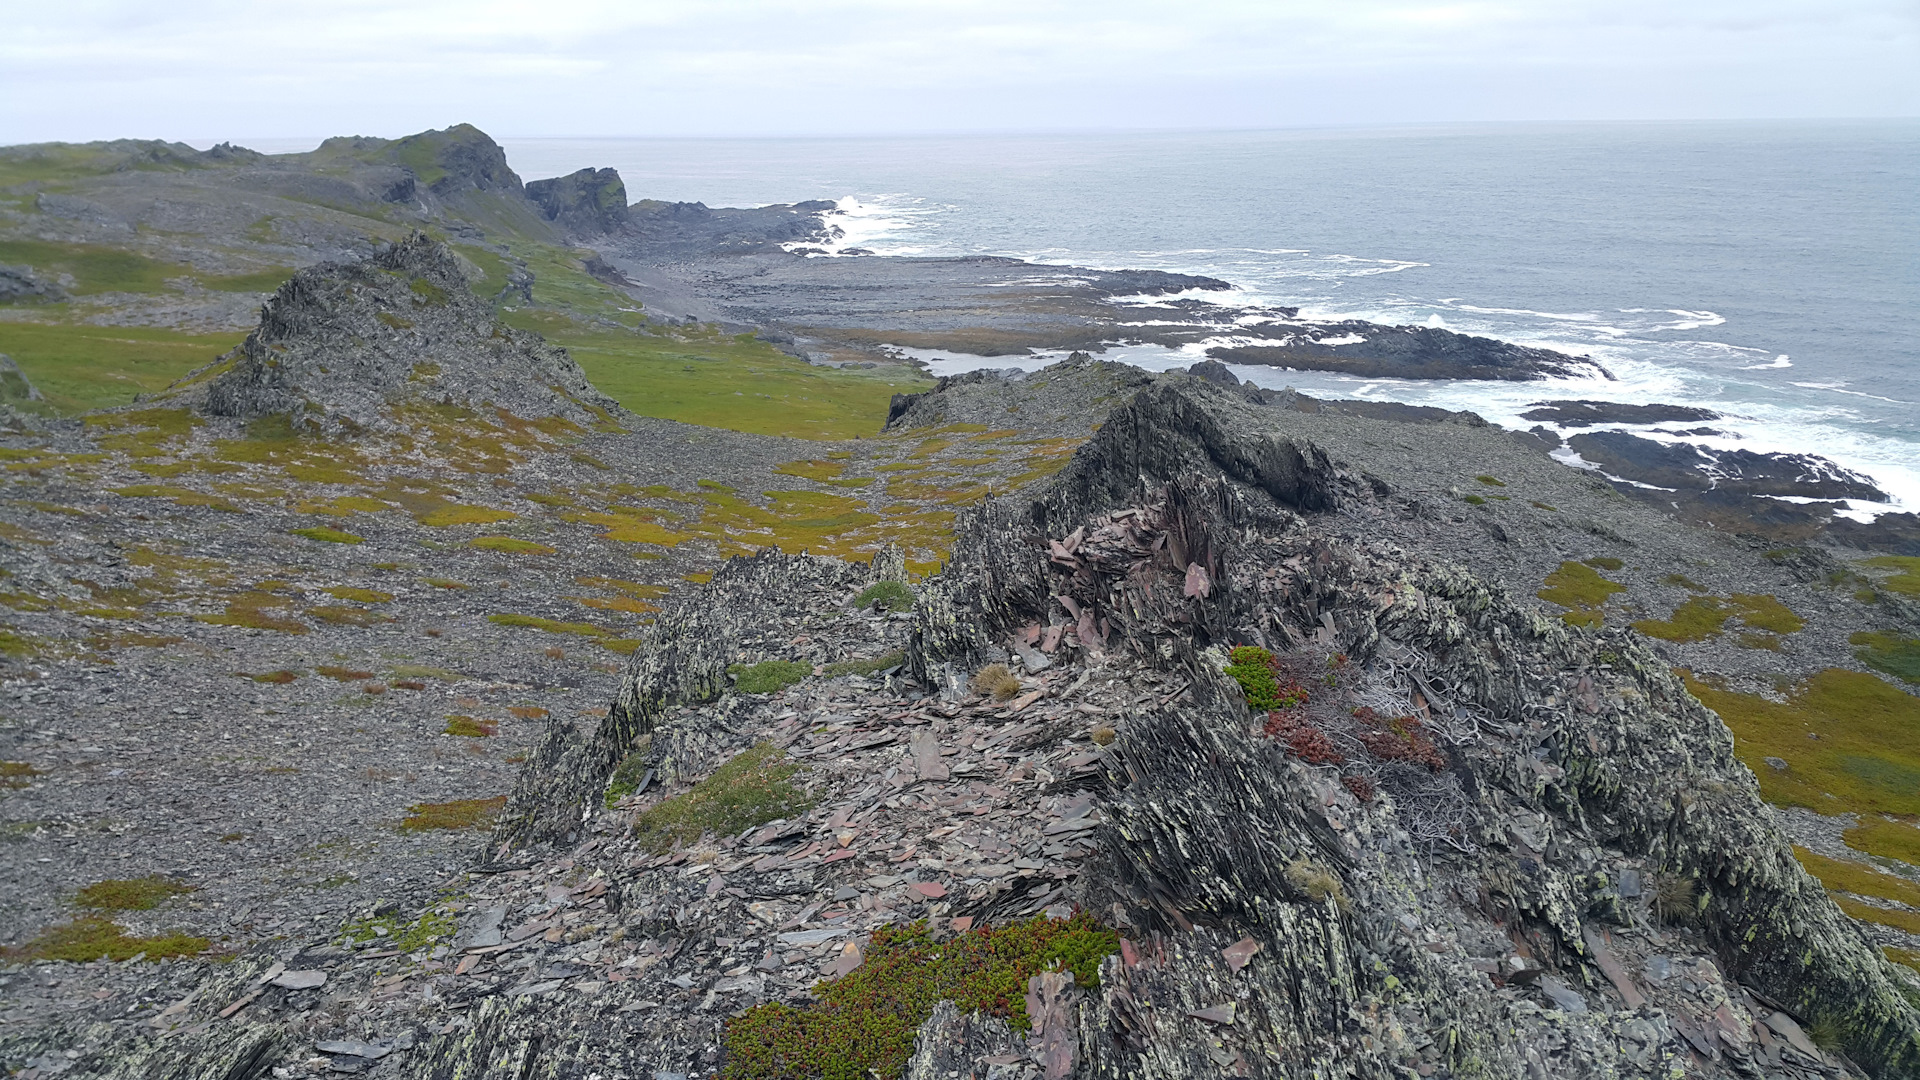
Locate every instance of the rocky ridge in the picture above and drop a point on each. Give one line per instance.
(340, 345)
(1486, 844)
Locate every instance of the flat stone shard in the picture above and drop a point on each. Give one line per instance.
(926, 756)
(299, 980)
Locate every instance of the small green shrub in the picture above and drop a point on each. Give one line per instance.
(864, 1023)
(1474, 500)
(329, 536)
(1258, 673)
(892, 595)
(750, 789)
(768, 676)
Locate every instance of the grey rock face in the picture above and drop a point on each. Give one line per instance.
(341, 345)
(585, 203)
(14, 387)
(20, 283)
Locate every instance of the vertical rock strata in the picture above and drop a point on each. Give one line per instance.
(340, 345)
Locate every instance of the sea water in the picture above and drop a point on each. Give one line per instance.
(1769, 271)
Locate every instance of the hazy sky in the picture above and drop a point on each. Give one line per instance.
(208, 69)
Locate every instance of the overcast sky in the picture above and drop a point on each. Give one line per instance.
(213, 69)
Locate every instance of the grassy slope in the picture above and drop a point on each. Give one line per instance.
(81, 368)
(737, 382)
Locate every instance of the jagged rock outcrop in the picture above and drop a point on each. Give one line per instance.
(20, 283)
(585, 203)
(14, 387)
(341, 345)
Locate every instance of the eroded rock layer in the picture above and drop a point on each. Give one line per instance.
(340, 345)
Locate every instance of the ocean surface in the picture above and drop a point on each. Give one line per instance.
(1770, 271)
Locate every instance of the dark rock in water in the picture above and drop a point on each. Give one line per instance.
(1588, 413)
(341, 344)
(20, 283)
(1546, 436)
(1215, 372)
(14, 387)
(1409, 352)
(1686, 467)
(682, 228)
(1895, 534)
(585, 203)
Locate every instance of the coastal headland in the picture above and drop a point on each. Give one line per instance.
(456, 626)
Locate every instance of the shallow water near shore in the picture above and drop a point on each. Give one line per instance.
(1764, 270)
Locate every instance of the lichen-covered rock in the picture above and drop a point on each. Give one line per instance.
(341, 345)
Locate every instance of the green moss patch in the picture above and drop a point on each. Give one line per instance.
(1580, 589)
(258, 610)
(892, 595)
(1907, 580)
(17, 774)
(768, 676)
(750, 789)
(132, 894)
(1491, 481)
(864, 1023)
(1604, 562)
(628, 774)
(422, 933)
(1887, 837)
(328, 535)
(360, 596)
(1258, 673)
(509, 546)
(470, 727)
(1851, 742)
(551, 626)
(1897, 656)
(866, 666)
(91, 937)
(1702, 617)
(458, 814)
(1842, 875)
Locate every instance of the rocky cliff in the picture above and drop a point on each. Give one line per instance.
(341, 345)
(586, 203)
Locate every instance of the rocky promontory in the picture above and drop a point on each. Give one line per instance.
(340, 345)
